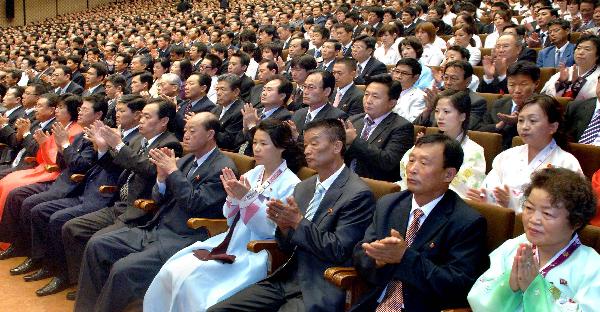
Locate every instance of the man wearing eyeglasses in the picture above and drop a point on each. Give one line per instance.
(412, 99)
(210, 66)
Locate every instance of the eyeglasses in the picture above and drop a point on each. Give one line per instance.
(401, 73)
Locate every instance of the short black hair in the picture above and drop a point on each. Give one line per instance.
(464, 53)
(285, 86)
(72, 103)
(99, 104)
(117, 80)
(101, 70)
(394, 87)
(414, 65)
(145, 77)
(327, 78)
(133, 101)
(334, 129)
(305, 62)
(414, 43)
(367, 40)
(203, 80)
(244, 57)
(165, 109)
(215, 61)
(595, 40)
(525, 68)
(464, 65)
(453, 152)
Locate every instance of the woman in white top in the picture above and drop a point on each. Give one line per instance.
(186, 283)
(432, 55)
(161, 66)
(547, 268)
(452, 110)
(387, 52)
(462, 20)
(538, 126)
(578, 81)
(500, 19)
(463, 36)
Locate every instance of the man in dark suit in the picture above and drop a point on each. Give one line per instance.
(94, 78)
(196, 87)
(502, 118)
(114, 86)
(325, 218)
(14, 110)
(317, 89)
(238, 63)
(329, 52)
(425, 246)
(346, 95)
(409, 20)
(72, 158)
(276, 93)
(579, 117)
(266, 70)
(507, 50)
(343, 33)
(61, 80)
(189, 187)
(42, 66)
(135, 182)
(367, 66)
(378, 139)
(300, 67)
(74, 63)
(457, 77)
(229, 111)
(22, 133)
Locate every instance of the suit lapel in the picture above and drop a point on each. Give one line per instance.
(331, 196)
(380, 127)
(309, 192)
(436, 219)
(401, 214)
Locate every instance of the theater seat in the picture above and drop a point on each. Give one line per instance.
(500, 221)
(361, 87)
(242, 162)
(418, 129)
(587, 155)
(545, 74)
(305, 173)
(490, 98)
(381, 188)
(213, 226)
(491, 143)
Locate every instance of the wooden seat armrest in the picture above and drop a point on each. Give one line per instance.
(458, 310)
(30, 160)
(2, 145)
(105, 189)
(52, 168)
(147, 205)
(77, 177)
(213, 226)
(342, 277)
(276, 256)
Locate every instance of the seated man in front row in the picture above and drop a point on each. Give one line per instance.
(425, 246)
(321, 223)
(119, 266)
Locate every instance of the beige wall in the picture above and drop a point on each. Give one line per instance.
(36, 10)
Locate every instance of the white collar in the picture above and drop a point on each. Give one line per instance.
(10, 111)
(202, 159)
(271, 111)
(329, 181)
(125, 133)
(379, 119)
(314, 113)
(149, 142)
(563, 48)
(427, 208)
(364, 64)
(45, 123)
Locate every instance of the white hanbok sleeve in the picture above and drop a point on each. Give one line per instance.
(403, 163)
(253, 210)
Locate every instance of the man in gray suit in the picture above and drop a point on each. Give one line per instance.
(317, 88)
(320, 224)
(579, 116)
(135, 182)
(119, 266)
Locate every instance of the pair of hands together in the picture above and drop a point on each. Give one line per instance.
(502, 195)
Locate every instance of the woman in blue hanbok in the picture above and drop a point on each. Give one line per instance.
(194, 278)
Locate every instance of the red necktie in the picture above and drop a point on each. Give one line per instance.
(394, 298)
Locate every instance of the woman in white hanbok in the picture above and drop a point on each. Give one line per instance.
(185, 283)
(538, 126)
(547, 268)
(452, 112)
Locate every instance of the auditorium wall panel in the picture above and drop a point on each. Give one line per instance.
(37, 10)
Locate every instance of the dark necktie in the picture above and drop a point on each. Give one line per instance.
(190, 174)
(124, 191)
(298, 95)
(219, 253)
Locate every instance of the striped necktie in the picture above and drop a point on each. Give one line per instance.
(591, 132)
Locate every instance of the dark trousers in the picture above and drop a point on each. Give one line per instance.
(15, 227)
(78, 231)
(277, 293)
(47, 220)
(117, 268)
